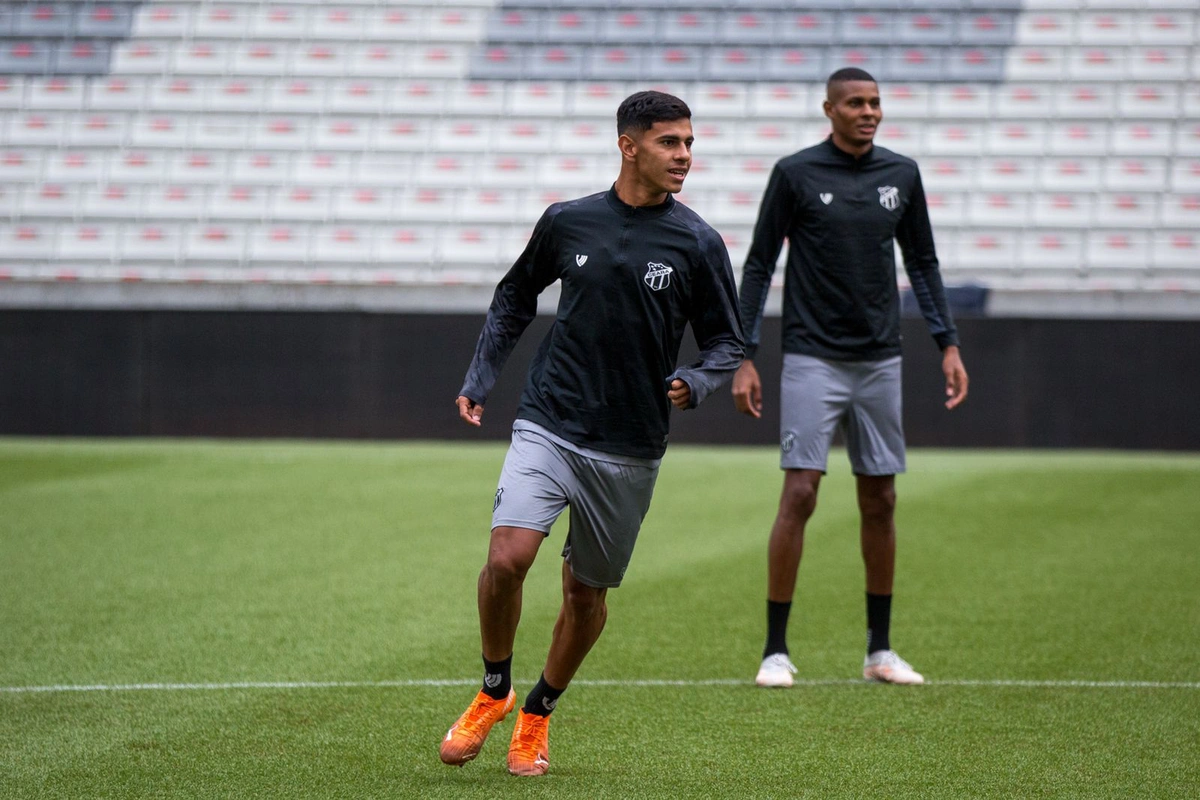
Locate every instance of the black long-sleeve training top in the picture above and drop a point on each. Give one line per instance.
(632, 279)
(840, 216)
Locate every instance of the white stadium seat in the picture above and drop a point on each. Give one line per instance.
(27, 240)
(50, 200)
(74, 166)
(278, 242)
(1044, 250)
(214, 242)
(57, 92)
(220, 22)
(301, 203)
(425, 204)
(407, 244)
(787, 100)
(997, 209)
(1135, 174)
(1023, 101)
(1124, 250)
(343, 243)
(1176, 249)
(323, 168)
(1181, 211)
(20, 164)
(1008, 173)
(163, 20)
(239, 202)
(270, 21)
(1075, 100)
(1077, 138)
(1185, 175)
(362, 203)
(150, 241)
(260, 168)
(208, 168)
(1015, 138)
(956, 101)
(174, 201)
(88, 241)
(1141, 138)
(1062, 209)
(1126, 209)
(948, 174)
(113, 201)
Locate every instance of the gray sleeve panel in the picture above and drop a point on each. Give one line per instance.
(513, 307)
(778, 205)
(714, 320)
(915, 236)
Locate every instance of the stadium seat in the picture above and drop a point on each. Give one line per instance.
(864, 27)
(151, 241)
(12, 93)
(738, 63)
(956, 101)
(278, 242)
(400, 134)
(799, 64)
(1035, 63)
(59, 92)
(1140, 101)
(978, 27)
(576, 173)
(1135, 174)
(997, 209)
(33, 128)
(613, 63)
(537, 99)
(190, 58)
(1015, 138)
(116, 94)
(310, 203)
(1176, 249)
(163, 21)
(872, 59)
(1158, 63)
(987, 250)
(1050, 250)
(510, 170)
(1023, 101)
(1096, 63)
(1077, 138)
(175, 94)
(915, 64)
(47, 20)
(1126, 209)
(976, 63)
(1141, 138)
(319, 59)
(174, 201)
(343, 243)
(1125, 250)
(1181, 211)
(260, 168)
(490, 206)
(460, 135)
(498, 62)
(728, 100)
(26, 56)
(689, 26)
(238, 202)
(1045, 27)
(948, 174)
(749, 26)
(287, 23)
(1009, 173)
(81, 57)
(475, 97)
(370, 59)
(903, 137)
(407, 244)
(1164, 27)
(913, 101)
(625, 26)
(1067, 210)
(515, 135)
(419, 96)
(25, 239)
(349, 23)
(481, 245)
(807, 27)
(226, 21)
(20, 164)
(787, 100)
(90, 242)
(571, 26)
(953, 139)
(198, 167)
(104, 130)
(390, 23)
(322, 168)
(924, 28)
(424, 204)
(341, 133)
(584, 136)
(596, 98)
(214, 242)
(515, 25)
(1185, 175)
(52, 200)
(680, 63)
(445, 170)
(1187, 138)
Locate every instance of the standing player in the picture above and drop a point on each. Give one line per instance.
(840, 205)
(636, 267)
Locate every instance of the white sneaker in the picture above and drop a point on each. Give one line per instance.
(776, 670)
(884, 666)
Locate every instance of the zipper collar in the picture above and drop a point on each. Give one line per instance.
(638, 212)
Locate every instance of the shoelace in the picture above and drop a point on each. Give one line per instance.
(530, 736)
(482, 714)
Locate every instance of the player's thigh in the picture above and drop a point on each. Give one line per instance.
(610, 502)
(813, 396)
(874, 424)
(535, 484)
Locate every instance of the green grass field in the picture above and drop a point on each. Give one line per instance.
(208, 619)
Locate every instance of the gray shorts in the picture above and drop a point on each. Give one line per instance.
(608, 500)
(861, 398)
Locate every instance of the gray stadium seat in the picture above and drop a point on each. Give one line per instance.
(43, 19)
(81, 57)
(733, 64)
(689, 26)
(674, 62)
(556, 63)
(914, 64)
(747, 27)
(26, 56)
(613, 63)
(104, 20)
(796, 64)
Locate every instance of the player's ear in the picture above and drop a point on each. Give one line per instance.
(628, 146)
(828, 106)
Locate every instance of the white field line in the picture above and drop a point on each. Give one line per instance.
(417, 683)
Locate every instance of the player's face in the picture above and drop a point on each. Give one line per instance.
(664, 156)
(854, 112)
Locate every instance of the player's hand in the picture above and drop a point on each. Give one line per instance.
(747, 390)
(680, 394)
(956, 377)
(469, 411)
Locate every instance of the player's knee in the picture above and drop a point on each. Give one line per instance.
(878, 505)
(799, 500)
(506, 567)
(585, 602)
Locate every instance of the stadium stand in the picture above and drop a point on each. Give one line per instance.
(191, 142)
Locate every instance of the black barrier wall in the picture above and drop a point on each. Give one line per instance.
(1034, 383)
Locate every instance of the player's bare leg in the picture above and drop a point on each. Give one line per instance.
(877, 507)
(580, 621)
(510, 554)
(797, 503)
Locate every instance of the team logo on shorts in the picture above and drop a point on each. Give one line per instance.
(788, 441)
(889, 197)
(499, 494)
(658, 276)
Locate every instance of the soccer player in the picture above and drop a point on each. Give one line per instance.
(635, 267)
(840, 205)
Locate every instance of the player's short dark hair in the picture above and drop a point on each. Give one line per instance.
(845, 75)
(638, 112)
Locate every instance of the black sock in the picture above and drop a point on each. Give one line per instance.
(777, 620)
(879, 617)
(497, 678)
(542, 698)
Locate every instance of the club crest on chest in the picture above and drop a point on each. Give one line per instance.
(658, 276)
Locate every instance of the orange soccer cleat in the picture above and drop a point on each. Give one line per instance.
(467, 735)
(529, 752)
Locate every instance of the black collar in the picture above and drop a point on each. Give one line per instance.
(638, 212)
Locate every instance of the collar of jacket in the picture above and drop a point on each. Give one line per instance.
(639, 212)
(848, 157)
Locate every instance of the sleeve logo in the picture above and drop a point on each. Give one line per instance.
(658, 276)
(889, 197)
